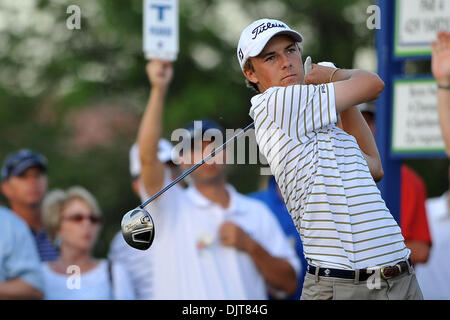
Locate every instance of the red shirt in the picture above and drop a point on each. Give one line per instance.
(413, 218)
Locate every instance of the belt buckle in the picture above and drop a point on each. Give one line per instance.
(385, 277)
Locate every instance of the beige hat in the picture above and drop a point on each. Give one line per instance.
(164, 155)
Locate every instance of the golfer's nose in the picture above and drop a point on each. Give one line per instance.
(285, 61)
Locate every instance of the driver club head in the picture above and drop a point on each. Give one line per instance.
(138, 229)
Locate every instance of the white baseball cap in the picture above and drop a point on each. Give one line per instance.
(255, 37)
(164, 155)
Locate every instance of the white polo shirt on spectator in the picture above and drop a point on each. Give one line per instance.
(434, 275)
(189, 262)
(324, 179)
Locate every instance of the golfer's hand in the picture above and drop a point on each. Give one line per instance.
(319, 74)
(159, 73)
(440, 59)
(232, 235)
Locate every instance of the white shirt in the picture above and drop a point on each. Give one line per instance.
(92, 285)
(188, 260)
(324, 179)
(434, 275)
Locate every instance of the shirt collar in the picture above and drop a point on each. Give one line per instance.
(201, 201)
(259, 98)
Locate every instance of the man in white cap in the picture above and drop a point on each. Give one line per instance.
(353, 245)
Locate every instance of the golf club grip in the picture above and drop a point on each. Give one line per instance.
(189, 171)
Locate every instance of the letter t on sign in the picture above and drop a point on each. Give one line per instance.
(160, 9)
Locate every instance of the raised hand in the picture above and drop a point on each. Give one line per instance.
(440, 59)
(159, 72)
(319, 74)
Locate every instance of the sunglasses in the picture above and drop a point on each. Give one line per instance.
(78, 218)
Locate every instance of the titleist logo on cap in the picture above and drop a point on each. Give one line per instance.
(265, 26)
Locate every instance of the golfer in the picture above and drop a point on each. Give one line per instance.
(353, 245)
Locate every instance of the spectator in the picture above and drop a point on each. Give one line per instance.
(434, 275)
(139, 264)
(24, 183)
(20, 276)
(72, 219)
(440, 66)
(210, 241)
(274, 200)
(413, 213)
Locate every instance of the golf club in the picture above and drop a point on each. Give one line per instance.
(138, 229)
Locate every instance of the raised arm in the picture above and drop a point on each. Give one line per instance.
(440, 65)
(152, 169)
(354, 124)
(353, 87)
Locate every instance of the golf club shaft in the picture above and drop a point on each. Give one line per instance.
(189, 171)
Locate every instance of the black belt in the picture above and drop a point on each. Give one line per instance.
(387, 272)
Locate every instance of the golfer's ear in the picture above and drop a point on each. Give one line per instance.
(250, 75)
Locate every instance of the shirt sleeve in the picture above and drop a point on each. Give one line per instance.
(22, 259)
(297, 110)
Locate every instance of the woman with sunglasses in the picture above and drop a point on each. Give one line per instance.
(72, 219)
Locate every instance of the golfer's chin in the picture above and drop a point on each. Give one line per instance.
(290, 81)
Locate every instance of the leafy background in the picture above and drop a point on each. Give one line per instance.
(77, 95)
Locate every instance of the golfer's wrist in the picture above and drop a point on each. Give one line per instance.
(333, 75)
(340, 75)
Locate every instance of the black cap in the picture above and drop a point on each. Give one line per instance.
(16, 163)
